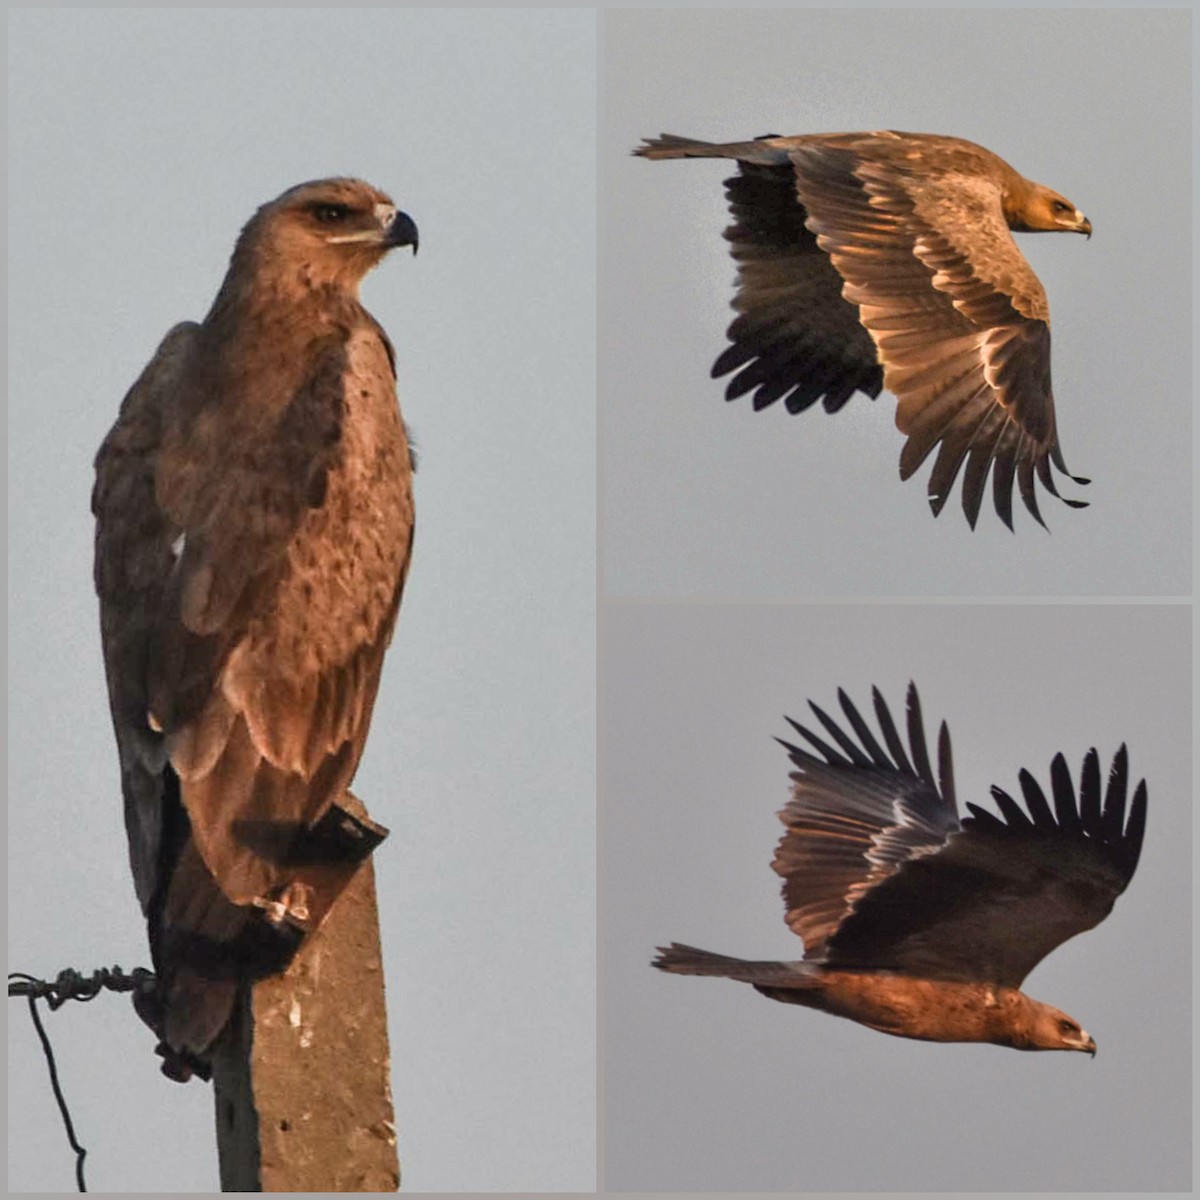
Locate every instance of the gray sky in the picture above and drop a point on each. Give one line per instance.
(708, 499)
(711, 1087)
(140, 142)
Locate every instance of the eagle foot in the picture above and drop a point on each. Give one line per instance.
(293, 907)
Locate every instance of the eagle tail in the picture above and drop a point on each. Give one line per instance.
(667, 145)
(197, 1011)
(688, 960)
(187, 1018)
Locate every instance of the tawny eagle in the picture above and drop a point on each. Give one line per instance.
(921, 924)
(873, 260)
(254, 519)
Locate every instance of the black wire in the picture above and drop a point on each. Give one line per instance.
(80, 1152)
(71, 985)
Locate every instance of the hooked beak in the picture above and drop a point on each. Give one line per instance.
(1090, 1046)
(394, 228)
(1083, 225)
(403, 231)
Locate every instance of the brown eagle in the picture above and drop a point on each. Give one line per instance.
(254, 519)
(922, 925)
(873, 260)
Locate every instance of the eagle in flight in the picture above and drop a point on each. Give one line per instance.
(873, 260)
(922, 924)
(254, 520)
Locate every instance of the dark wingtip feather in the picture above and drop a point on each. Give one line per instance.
(983, 818)
(732, 357)
(1135, 830)
(894, 743)
(1065, 808)
(1035, 801)
(910, 759)
(916, 735)
(1089, 792)
(852, 752)
(1028, 491)
(823, 748)
(865, 736)
(1113, 820)
(795, 753)
(946, 769)
(1013, 813)
(972, 501)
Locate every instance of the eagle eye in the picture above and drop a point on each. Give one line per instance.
(327, 214)
(1060, 207)
(1067, 1026)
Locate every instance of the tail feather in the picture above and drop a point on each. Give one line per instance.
(667, 145)
(688, 960)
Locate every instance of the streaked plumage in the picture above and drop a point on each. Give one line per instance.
(919, 923)
(254, 522)
(872, 260)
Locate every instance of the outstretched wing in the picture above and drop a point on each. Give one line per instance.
(879, 873)
(857, 815)
(1007, 889)
(958, 317)
(795, 338)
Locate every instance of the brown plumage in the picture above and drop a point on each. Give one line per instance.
(917, 923)
(872, 260)
(254, 520)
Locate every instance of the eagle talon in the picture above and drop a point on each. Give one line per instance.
(293, 906)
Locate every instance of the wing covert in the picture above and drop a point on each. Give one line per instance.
(858, 813)
(960, 322)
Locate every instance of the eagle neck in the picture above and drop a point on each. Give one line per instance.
(1015, 194)
(1009, 1017)
(258, 306)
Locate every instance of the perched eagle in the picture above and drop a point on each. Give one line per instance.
(922, 925)
(872, 260)
(254, 519)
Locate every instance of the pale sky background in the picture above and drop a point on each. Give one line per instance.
(140, 143)
(709, 499)
(712, 1087)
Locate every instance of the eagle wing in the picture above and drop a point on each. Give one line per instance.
(280, 550)
(795, 337)
(1008, 889)
(133, 561)
(984, 900)
(959, 320)
(857, 815)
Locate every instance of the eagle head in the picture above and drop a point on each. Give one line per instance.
(1052, 1029)
(1044, 210)
(329, 232)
